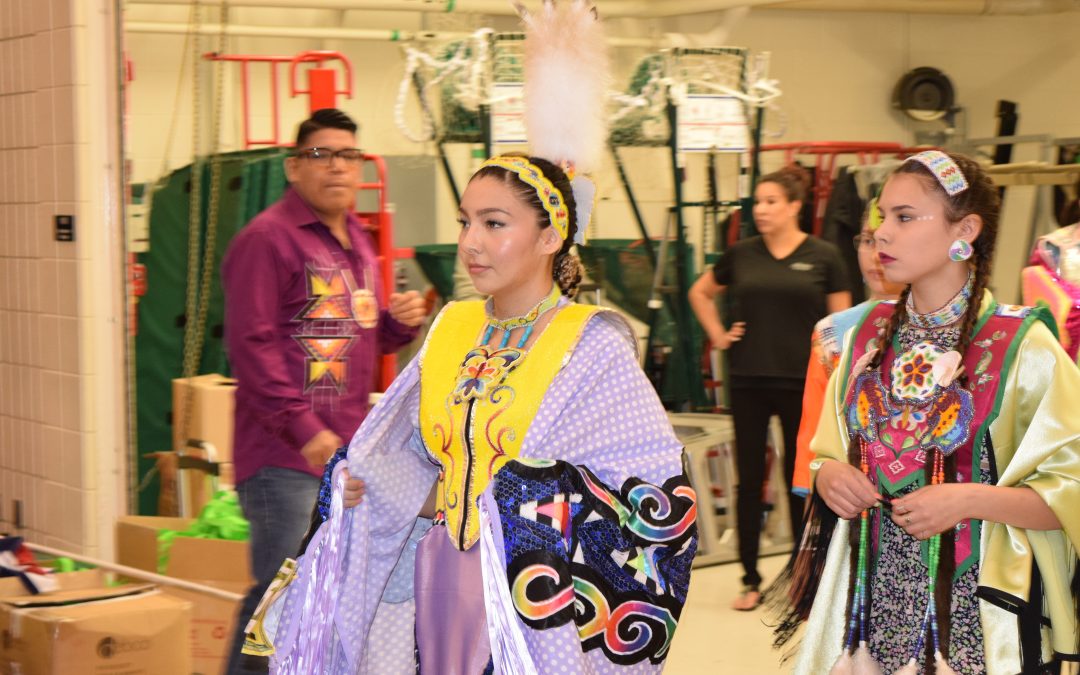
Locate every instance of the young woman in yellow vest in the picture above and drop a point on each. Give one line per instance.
(521, 500)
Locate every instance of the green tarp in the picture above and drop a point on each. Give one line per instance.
(249, 182)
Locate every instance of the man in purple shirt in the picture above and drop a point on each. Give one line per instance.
(306, 320)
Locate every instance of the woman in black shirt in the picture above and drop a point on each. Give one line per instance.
(780, 283)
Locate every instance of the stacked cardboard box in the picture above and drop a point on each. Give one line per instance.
(203, 417)
(210, 562)
(88, 627)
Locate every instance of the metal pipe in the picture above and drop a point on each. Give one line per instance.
(292, 32)
(988, 7)
(624, 178)
(651, 9)
(433, 6)
(136, 573)
(644, 9)
(386, 35)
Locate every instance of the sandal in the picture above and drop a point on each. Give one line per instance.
(748, 600)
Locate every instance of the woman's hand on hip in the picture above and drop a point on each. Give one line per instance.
(731, 335)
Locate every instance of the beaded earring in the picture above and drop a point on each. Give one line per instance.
(960, 251)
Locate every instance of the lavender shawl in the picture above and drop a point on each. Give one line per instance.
(349, 611)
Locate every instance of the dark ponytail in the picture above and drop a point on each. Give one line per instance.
(792, 179)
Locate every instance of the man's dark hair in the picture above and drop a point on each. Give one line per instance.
(327, 118)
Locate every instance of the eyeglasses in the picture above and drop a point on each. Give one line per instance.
(864, 241)
(326, 156)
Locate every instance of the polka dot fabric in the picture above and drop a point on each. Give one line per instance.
(600, 412)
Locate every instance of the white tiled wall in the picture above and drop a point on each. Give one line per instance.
(49, 423)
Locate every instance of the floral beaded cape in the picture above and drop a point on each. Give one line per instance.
(586, 526)
(1030, 425)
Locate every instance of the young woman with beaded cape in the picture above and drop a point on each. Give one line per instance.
(559, 526)
(949, 447)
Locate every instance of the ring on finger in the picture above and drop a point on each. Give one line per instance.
(907, 520)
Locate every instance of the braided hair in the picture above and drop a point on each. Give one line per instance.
(567, 270)
(980, 198)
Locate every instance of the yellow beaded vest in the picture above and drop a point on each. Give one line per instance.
(476, 411)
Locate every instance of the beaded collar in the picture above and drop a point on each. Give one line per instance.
(950, 313)
(526, 320)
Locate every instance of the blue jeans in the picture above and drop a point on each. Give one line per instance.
(277, 503)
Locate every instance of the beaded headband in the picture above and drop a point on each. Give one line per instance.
(550, 196)
(945, 170)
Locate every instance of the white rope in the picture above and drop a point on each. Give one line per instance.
(470, 92)
(758, 94)
(473, 89)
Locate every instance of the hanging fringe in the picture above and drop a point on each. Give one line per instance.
(790, 596)
(941, 666)
(844, 665)
(1076, 589)
(864, 663)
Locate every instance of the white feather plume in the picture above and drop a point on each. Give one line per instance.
(566, 83)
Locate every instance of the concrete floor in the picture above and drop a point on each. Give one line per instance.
(714, 639)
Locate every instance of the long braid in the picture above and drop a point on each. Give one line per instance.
(971, 316)
(885, 336)
(947, 563)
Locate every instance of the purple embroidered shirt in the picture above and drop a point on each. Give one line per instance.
(303, 362)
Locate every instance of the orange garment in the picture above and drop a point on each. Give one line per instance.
(826, 346)
(817, 377)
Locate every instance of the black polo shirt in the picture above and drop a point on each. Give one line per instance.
(780, 301)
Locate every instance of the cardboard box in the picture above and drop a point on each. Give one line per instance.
(212, 404)
(211, 562)
(86, 627)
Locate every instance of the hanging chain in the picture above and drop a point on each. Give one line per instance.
(201, 263)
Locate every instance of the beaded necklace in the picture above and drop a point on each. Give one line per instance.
(940, 327)
(950, 313)
(527, 320)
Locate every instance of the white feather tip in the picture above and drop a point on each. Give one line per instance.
(566, 83)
